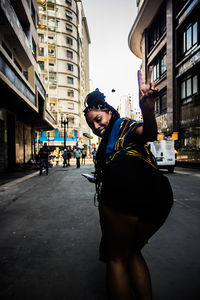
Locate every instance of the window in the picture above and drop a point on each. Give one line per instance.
(70, 80)
(163, 66)
(69, 2)
(34, 51)
(70, 67)
(68, 15)
(70, 93)
(52, 107)
(161, 104)
(189, 87)
(52, 78)
(189, 38)
(71, 106)
(155, 72)
(41, 38)
(157, 29)
(52, 67)
(51, 52)
(41, 64)
(41, 51)
(51, 39)
(69, 27)
(69, 54)
(69, 41)
(160, 66)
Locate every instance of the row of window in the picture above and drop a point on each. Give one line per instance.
(187, 35)
(52, 79)
(188, 88)
(52, 53)
(53, 24)
(53, 106)
(52, 66)
(157, 29)
(51, 39)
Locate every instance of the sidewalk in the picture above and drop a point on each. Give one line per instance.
(21, 175)
(16, 176)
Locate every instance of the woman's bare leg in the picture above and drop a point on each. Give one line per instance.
(118, 283)
(140, 277)
(139, 272)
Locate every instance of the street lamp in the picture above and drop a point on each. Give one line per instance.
(48, 135)
(65, 120)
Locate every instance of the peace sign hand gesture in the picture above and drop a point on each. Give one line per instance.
(147, 91)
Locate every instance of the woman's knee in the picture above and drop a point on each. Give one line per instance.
(117, 261)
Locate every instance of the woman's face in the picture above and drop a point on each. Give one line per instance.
(98, 121)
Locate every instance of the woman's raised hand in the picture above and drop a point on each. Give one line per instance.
(147, 91)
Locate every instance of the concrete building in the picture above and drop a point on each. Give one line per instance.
(64, 62)
(166, 34)
(137, 114)
(128, 108)
(125, 107)
(23, 111)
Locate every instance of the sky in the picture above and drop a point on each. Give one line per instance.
(112, 64)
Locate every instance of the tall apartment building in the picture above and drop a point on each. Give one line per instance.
(64, 62)
(166, 34)
(23, 111)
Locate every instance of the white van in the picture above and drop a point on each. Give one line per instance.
(164, 154)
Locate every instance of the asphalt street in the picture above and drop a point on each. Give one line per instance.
(50, 235)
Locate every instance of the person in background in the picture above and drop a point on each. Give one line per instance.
(65, 164)
(44, 159)
(83, 156)
(77, 154)
(94, 152)
(69, 155)
(134, 197)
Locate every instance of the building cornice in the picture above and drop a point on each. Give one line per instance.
(144, 18)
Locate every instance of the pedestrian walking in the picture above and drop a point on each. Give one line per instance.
(77, 154)
(44, 159)
(69, 155)
(134, 197)
(94, 153)
(65, 156)
(83, 156)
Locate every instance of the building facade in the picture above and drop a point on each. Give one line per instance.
(64, 62)
(23, 111)
(125, 107)
(166, 34)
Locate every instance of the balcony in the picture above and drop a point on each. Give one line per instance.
(17, 83)
(15, 32)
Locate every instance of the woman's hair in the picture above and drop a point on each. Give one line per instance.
(96, 101)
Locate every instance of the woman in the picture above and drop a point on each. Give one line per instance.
(134, 198)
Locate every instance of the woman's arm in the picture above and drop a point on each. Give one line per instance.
(148, 93)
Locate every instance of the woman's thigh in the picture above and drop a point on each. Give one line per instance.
(121, 234)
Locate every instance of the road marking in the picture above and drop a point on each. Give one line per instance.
(187, 173)
(182, 173)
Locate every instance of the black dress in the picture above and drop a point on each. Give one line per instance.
(131, 182)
